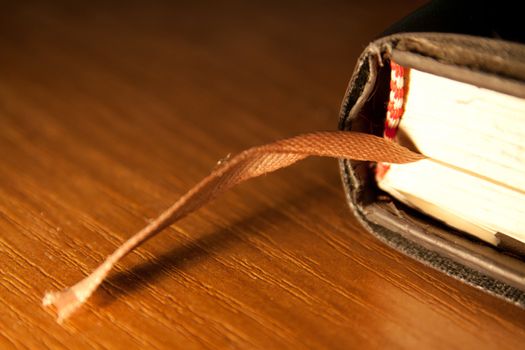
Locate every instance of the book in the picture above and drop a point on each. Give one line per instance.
(462, 209)
(474, 178)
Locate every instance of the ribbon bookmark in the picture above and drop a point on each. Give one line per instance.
(228, 173)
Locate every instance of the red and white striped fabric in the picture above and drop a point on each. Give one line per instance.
(395, 109)
(396, 101)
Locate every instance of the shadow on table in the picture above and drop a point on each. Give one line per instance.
(126, 282)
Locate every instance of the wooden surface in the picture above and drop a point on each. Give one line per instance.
(110, 112)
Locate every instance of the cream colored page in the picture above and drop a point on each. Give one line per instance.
(461, 200)
(472, 128)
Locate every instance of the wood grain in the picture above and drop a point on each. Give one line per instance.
(109, 112)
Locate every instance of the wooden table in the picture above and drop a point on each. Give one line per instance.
(110, 111)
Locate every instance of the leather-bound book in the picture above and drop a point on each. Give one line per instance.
(447, 82)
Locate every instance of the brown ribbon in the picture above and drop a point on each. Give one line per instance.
(246, 165)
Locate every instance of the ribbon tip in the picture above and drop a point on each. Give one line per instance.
(65, 302)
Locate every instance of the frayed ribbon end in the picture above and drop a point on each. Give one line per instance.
(65, 302)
